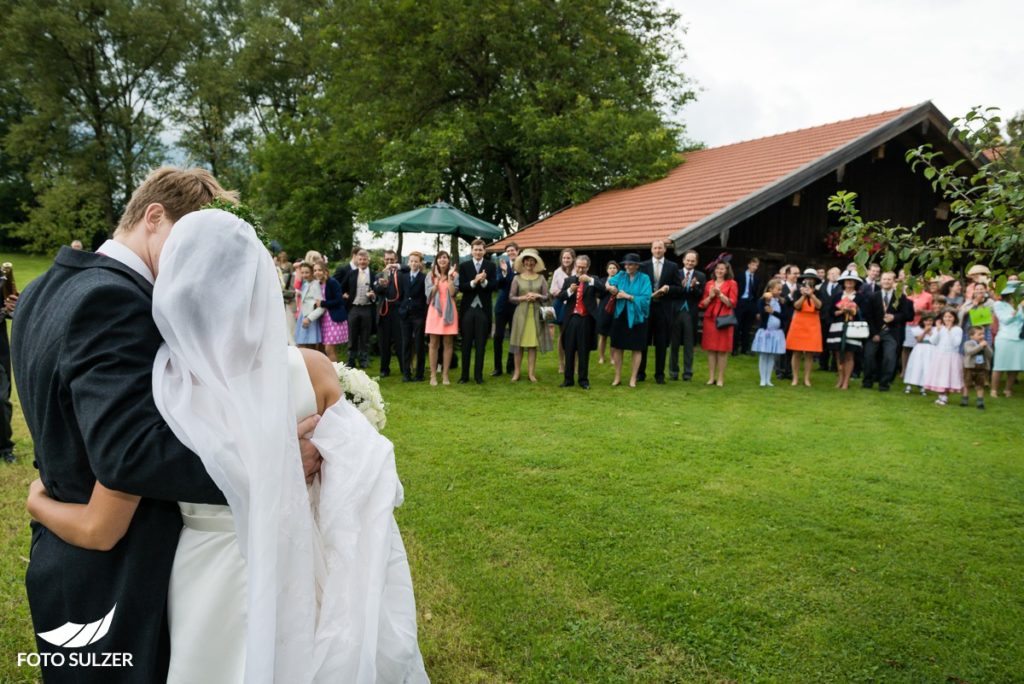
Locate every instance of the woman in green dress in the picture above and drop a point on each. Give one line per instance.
(528, 292)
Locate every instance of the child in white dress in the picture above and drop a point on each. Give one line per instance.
(945, 372)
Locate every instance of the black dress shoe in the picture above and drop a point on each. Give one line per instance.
(687, 377)
(883, 388)
(641, 377)
(867, 385)
(496, 373)
(566, 383)
(385, 373)
(463, 381)
(660, 381)
(406, 378)
(586, 385)
(674, 376)
(418, 378)
(479, 381)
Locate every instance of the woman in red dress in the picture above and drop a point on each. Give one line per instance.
(720, 295)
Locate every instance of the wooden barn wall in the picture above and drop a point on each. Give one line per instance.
(886, 189)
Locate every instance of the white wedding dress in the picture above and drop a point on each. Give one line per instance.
(366, 623)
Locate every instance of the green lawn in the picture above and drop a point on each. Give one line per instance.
(692, 534)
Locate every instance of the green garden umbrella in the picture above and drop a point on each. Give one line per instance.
(441, 218)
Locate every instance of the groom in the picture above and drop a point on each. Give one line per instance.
(83, 344)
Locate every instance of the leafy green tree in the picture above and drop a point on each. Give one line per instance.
(15, 188)
(96, 74)
(986, 206)
(509, 109)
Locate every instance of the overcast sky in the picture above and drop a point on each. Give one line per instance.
(770, 67)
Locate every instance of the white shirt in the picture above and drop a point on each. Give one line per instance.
(122, 253)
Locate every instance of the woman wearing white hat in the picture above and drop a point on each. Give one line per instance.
(842, 338)
(528, 292)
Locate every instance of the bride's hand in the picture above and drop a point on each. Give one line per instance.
(311, 459)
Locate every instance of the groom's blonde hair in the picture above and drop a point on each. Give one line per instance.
(179, 191)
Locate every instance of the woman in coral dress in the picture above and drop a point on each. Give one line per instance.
(720, 295)
(804, 336)
(442, 318)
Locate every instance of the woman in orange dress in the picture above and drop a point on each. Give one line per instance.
(804, 336)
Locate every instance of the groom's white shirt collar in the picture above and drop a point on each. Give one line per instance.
(118, 252)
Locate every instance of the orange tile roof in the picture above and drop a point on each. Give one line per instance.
(706, 182)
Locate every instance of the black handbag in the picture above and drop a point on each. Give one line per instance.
(726, 321)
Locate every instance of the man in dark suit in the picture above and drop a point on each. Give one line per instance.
(827, 290)
(790, 293)
(360, 300)
(504, 310)
(581, 294)
(687, 316)
(666, 289)
(341, 273)
(389, 324)
(88, 401)
(887, 313)
(477, 279)
(751, 287)
(871, 282)
(413, 313)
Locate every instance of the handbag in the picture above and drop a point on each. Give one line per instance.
(857, 330)
(726, 321)
(547, 314)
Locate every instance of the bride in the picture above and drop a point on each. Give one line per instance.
(285, 584)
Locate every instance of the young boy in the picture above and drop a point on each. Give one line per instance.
(977, 364)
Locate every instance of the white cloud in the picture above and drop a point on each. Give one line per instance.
(770, 67)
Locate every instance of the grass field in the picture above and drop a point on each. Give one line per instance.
(682, 533)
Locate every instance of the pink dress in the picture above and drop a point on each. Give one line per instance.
(441, 305)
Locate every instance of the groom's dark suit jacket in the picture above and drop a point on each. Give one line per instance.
(84, 342)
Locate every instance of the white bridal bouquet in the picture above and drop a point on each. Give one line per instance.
(364, 393)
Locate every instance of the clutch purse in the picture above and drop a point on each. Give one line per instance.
(726, 321)
(547, 314)
(857, 330)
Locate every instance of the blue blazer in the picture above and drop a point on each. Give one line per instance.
(333, 302)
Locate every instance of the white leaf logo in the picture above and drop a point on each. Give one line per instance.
(73, 635)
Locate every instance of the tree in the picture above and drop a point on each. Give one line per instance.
(95, 74)
(986, 207)
(507, 109)
(15, 188)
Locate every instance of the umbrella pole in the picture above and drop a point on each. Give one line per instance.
(400, 235)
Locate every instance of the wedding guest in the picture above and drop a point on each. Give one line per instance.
(566, 259)
(76, 244)
(977, 363)
(1009, 345)
(412, 311)
(916, 374)
(9, 297)
(945, 371)
(982, 305)
(979, 274)
(750, 293)
(357, 291)
(846, 307)
(666, 289)
(953, 291)
(307, 329)
(529, 292)
(887, 314)
(341, 273)
(718, 304)
(333, 324)
(769, 340)
(632, 292)
(389, 324)
(442, 322)
(477, 279)
(871, 282)
(286, 271)
(581, 295)
(504, 309)
(790, 291)
(687, 320)
(606, 314)
(826, 292)
(804, 336)
(922, 301)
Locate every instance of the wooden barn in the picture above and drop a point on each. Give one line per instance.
(766, 197)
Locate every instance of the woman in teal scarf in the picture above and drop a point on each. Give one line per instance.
(632, 292)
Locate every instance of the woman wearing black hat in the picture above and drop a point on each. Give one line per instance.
(804, 336)
(632, 292)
